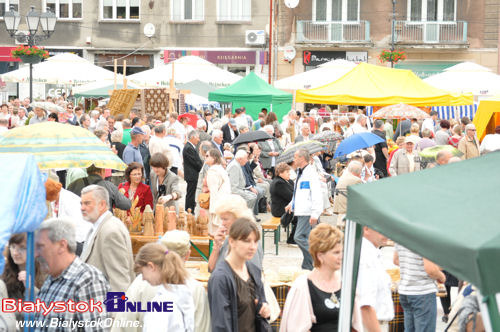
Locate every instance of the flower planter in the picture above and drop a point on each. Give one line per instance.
(30, 58)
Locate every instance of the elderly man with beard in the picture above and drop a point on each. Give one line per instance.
(69, 278)
(108, 245)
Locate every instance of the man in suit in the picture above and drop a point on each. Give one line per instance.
(238, 181)
(271, 149)
(192, 167)
(217, 139)
(350, 177)
(229, 131)
(108, 245)
(305, 131)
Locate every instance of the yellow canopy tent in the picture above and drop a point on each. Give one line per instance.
(487, 116)
(370, 85)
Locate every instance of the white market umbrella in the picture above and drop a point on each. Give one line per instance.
(324, 74)
(186, 69)
(103, 84)
(64, 68)
(467, 77)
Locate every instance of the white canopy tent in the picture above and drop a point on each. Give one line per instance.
(324, 74)
(467, 77)
(186, 69)
(65, 68)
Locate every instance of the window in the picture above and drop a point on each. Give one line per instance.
(432, 10)
(70, 9)
(6, 4)
(120, 9)
(234, 10)
(186, 10)
(336, 10)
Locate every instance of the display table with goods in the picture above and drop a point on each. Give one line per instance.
(150, 226)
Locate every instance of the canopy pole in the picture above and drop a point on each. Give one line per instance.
(124, 74)
(350, 265)
(270, 64)
(115, 71)
(490, 312)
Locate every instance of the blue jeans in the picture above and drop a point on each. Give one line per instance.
(420, 312)
(302, 239)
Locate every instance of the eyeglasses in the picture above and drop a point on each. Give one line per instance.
(136, 174)
(18, 249)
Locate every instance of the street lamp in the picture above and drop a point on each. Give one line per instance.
(33, 19)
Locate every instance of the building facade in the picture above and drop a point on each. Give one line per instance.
(435, 34)
(230, 33)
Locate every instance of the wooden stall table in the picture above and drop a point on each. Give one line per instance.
(197, 242)
(140, 240)
(203, 251)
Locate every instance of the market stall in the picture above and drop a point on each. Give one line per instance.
(442, 230)
(487, 116)
(254, 93)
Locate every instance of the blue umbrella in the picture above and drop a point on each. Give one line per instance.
(356, 142)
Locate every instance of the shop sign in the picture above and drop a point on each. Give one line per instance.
(217, 57)
(316, 58)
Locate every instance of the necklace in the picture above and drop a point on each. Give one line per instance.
(332, 302)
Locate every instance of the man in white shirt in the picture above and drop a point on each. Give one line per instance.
(359, 126)
(491, 142)
(373, 291)
(430, 123)
(176, 147)
(172, 122)
(157, 144)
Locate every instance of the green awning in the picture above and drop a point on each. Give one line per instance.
(424, 69)
(448, 214)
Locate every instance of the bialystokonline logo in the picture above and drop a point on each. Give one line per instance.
(115, 302)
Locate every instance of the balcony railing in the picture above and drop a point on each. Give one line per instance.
(420, 32)
(333, 32)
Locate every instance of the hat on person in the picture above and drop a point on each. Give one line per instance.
(411, 139)
(137, 131)
(232, 122)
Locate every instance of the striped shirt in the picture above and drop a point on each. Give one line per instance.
(414, 279)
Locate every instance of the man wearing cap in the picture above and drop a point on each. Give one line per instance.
(405, 160)
(491, 142)
(430, 123)
(131, 153)
(469, 144)
(229, 131)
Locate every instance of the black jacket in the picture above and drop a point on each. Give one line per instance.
(223, 299)
(226, 134)
(281, 194)
(192, 163)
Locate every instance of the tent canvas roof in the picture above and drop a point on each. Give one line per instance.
(371, 85)
(197, 87)
(100, 89)
(252, 89)
(436, 219)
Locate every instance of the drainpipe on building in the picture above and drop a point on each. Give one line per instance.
(270, 40)
(393, 32)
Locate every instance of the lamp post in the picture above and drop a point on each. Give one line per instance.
(33, 19)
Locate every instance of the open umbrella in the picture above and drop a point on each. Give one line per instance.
(311, 146)
(58, 145)
(400, 111)
(430, 154)
(48, 106)
(252, 136)
(192, 119)
(328, 137)
(356, 142)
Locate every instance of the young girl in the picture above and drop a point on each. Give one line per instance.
(235, 289)
(165, 268)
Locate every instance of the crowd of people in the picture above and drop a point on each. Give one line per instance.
(83, 251)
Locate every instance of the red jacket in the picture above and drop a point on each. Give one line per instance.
(144, 193)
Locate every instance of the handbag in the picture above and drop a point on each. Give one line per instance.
(204, 200)
(286, 219)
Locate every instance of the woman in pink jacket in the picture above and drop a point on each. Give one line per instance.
(313, 302)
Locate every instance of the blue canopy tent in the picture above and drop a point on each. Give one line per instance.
(23, 207)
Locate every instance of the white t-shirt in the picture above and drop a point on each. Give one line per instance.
(374, 284)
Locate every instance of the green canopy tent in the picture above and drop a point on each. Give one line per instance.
(430, 213)
(254, 93)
